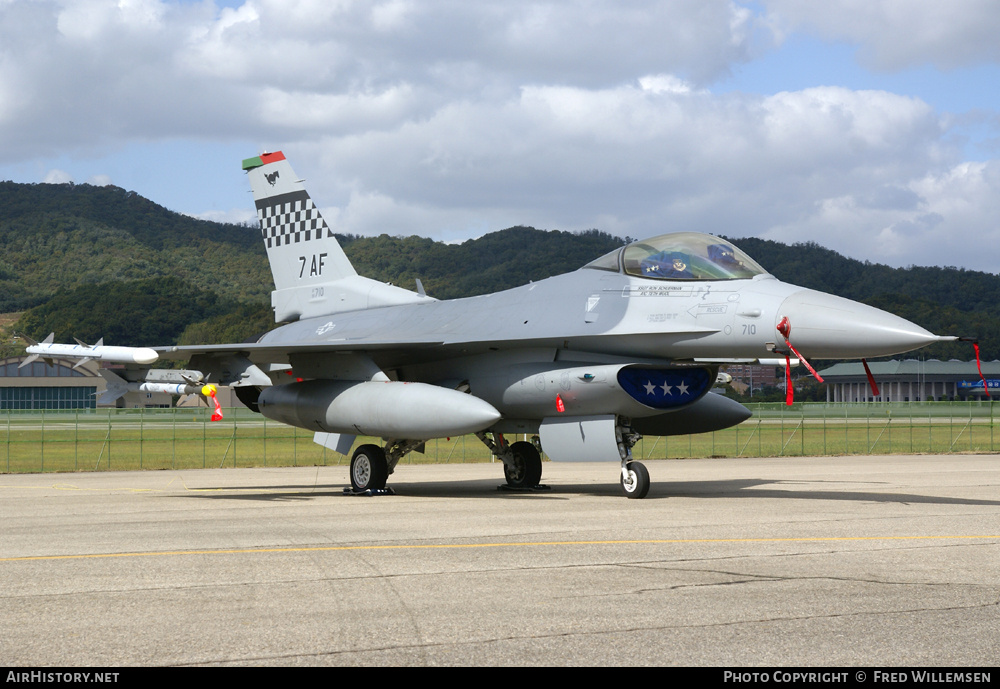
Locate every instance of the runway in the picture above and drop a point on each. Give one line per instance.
(869, 561)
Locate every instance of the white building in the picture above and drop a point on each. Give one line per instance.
(911, 380)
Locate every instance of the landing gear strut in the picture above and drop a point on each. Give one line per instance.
(635, 477)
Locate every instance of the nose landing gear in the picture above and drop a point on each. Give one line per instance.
(635, 477)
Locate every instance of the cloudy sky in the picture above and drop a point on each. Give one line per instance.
(869, 126)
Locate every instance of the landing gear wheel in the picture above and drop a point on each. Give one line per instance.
(636, 485)
(527, 469)
(369, 468)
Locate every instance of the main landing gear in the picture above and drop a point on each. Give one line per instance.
(369, 468)
(522, 462)
(371, 464)
(525, 471)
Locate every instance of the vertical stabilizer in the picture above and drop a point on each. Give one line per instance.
(312, 275)
(300, 246)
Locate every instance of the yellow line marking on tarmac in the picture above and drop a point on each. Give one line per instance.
(441, 546)
(164, 489)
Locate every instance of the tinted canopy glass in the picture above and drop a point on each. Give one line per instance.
(682, 256)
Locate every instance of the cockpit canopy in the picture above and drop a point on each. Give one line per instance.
(681, 256)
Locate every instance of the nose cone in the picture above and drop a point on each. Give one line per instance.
(144, 355)
(827, 327)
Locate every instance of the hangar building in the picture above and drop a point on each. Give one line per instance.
(911, 380)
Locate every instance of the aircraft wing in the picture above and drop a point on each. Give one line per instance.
(276, 352)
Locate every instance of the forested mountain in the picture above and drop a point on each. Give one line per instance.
(62, 236)
(95, 262)
(811, 265)
(156, 310)
(493, 262)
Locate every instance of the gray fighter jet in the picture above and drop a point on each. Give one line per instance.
(585, 362)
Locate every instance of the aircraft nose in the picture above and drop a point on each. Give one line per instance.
(827, 327)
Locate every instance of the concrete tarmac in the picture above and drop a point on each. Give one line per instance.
(861, 561)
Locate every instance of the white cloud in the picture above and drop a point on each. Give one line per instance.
(336, 112)
(895, 34)
(83, 72)
(393, 15)
(664, 83)
(559, 137)
(234, 215)
(826, 164)
(445, 117)
(93, 20)
(948, 217)
(99, 180)
(57, 177)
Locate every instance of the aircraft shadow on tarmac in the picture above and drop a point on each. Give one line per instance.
(478, 488)
(750, 488)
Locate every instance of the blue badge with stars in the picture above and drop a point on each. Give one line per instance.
(665, 388)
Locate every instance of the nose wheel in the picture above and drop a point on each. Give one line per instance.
(635, 480)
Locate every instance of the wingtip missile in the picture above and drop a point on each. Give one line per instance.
(48, 350)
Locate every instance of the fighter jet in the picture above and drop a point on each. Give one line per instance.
(584, 362)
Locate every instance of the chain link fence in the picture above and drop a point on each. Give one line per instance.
(129, 439)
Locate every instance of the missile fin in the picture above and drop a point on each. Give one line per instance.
(116, 386)
(194, 381)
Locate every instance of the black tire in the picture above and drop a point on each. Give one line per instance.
(527, 469)
(369, 468)
(638, 486)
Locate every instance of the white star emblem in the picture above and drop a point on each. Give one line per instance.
(650, 388)
(666, 388)
(682, 388)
